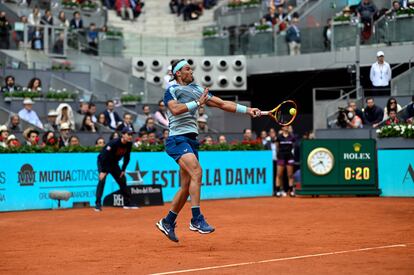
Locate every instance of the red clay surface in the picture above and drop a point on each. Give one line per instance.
(121, 241)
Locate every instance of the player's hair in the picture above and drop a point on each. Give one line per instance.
(174, 63)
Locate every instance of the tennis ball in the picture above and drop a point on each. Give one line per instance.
(292, 111)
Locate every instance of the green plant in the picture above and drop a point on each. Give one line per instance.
(52, 94)
(130, 98)
(210, 32)
(23, 94)
(69, 4)
(253, 146)
(263, 27)
(90, 5)
(342, 18)
(114, 33)
(405, 11)
(396, 130)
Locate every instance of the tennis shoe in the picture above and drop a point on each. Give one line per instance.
(98, 208)
(292, 194)
(199, 224)
(167, 229)
(278, 194)
(284, 194)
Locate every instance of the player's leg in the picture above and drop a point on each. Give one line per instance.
(289, 170)
(279, 177)
(190, 163)
(100, 188)
(116, 174)
(182, 195)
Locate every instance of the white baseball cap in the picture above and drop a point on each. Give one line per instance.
(380, 53)
(28, 100)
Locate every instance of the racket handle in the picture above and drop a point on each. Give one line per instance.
(264, 113)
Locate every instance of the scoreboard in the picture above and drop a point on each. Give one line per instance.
(339, 167)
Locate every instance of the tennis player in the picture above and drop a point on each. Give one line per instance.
(183, 100)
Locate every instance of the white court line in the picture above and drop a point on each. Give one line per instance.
(280, 259)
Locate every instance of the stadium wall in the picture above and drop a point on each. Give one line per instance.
(27, 179)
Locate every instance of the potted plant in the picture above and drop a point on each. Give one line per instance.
(60, 95)
(68, 4)
(129, 99)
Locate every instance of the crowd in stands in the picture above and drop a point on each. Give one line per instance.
(190, 9)
(373, 116)
(36, 22)
(126, 9)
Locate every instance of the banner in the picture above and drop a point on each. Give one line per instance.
(396, 172)
(27, 179)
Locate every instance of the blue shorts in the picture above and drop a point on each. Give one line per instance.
(177, 146)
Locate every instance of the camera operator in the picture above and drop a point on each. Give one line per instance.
(348, 119)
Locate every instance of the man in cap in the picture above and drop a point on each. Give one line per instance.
(380, 73)
(202, 125)
(12, 141)
(64, 135)
(32, 136)
(51, 121)
(108, 160)
(28, 114)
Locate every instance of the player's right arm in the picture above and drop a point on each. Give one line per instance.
(175, 107)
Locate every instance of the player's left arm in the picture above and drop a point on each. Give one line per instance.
(127, 157)
(230, 106)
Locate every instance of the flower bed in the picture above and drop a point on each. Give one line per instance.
(396, 130)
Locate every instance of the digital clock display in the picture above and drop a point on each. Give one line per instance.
(357, 173)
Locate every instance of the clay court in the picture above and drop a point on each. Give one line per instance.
(263, 235)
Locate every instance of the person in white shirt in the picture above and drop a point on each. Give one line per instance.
(28, 114)
(168, 81)
(380, 73)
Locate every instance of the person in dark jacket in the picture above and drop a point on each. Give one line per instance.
(293, 37)
(5, 28)
(111, 116)
(108, 160)
(372, 114)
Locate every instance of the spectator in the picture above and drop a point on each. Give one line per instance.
(35, 17)
(142, 139)
(380, 73)
(114, 135)
(49, 139)
(4, 31)
(366, 11)
(277, 3)
(165, 134)
(14, 123)
(352, 120)
(136, 6)
(373, 114)
(127, 122)
(10, 86)
(391, 104)
(28, 114)
(123, 7)
(64, 135)
(410, 111)
(263, 137)
(202, 125)
(87, 124)
(102, 119)
(51, 122)
(285, 158)
(76, 22)
(147, 111)
(36, 39)
(74, 141)
(208, 140)
(247, 135)
(100, 142)
(271, 144)
(19, 31)
(149, 126)
(293, 37)
(47, 19)
(35, 85)
(202, 113)
(111, 117)
(160, 115)
(32, 136)
(62, 21)
(92, 111)
(13, 142)
(396, 6)
(392, 119)
(271, 17)
(59, 46)
(92, 38)
(191, 10)
(174, 6)
(65, 115)
(83, 108)
(327, 34)
(4, 134)
(152, 138)
(222, 139)
(358, 112)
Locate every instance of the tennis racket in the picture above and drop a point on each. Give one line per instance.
(284, 114)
